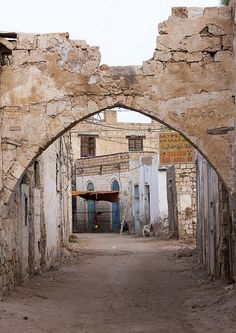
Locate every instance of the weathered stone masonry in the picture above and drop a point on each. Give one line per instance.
(49, 83)
(181, 182)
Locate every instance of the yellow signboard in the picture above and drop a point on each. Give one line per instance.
(175, 149)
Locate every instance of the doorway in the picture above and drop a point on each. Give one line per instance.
(90, 207)
(137, 223)
(115, 209)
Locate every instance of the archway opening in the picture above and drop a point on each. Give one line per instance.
(157, 189)
(119, 144)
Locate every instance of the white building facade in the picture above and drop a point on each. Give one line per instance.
(136, 177)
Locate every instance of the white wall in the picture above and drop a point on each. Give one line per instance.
(142, 171)
(50, 203)
(148, 175)
(162, 198)
(24, 239)
(37, 231)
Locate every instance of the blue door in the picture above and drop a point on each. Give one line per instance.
(90, 207)
(115, 209)
(136, 209)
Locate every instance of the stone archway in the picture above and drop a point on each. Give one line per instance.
(49, 83)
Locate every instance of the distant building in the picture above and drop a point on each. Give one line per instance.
(108, 151)
(135, 177)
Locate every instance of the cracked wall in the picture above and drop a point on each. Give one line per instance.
(37, 222)
(49, 83)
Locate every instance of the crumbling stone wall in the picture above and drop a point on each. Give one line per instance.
(181, 191)
(51, 82)
(29, 241)
(185, 178)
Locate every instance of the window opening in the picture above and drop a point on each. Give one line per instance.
(88, 146)
(135, 143)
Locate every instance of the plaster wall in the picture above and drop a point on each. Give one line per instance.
(50, 205)
(148, 176)
(112, 136)
(215, 234)
(31, 230)
(163, 206)
(142, 170)
(49, 83)
(24, 237)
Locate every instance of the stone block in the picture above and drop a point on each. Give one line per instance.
(88, 68)
(178, 27)
(66, 119)
(152, 68)
(162, 55)
(92, 107)
(179, 56)
(94, 53)
(55, 108)
(210, 12)
(225, 11)
(201, 44)
(223, 56)
(195, 12)
(8, 147)
(51, 42)
(17, 170)
(20, 57)
(26, 41)
(121, 100)
(215, 30)
(227, 42)
(37, 56)
(181, 12)
(80, 44)
(129, 101)
(163, 28)
(24, 159)
(168, 43)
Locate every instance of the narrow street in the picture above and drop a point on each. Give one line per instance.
(122, 285)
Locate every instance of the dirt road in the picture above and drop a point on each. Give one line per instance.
(121, 285)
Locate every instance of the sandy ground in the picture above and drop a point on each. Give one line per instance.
(121, 284)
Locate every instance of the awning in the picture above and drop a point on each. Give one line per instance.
(111, 196)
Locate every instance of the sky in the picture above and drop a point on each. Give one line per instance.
(125, 30)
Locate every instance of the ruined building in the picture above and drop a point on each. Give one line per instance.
(50, 83)
(38, 220)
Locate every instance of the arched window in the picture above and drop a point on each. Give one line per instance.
(115, 185)
(90, 186)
